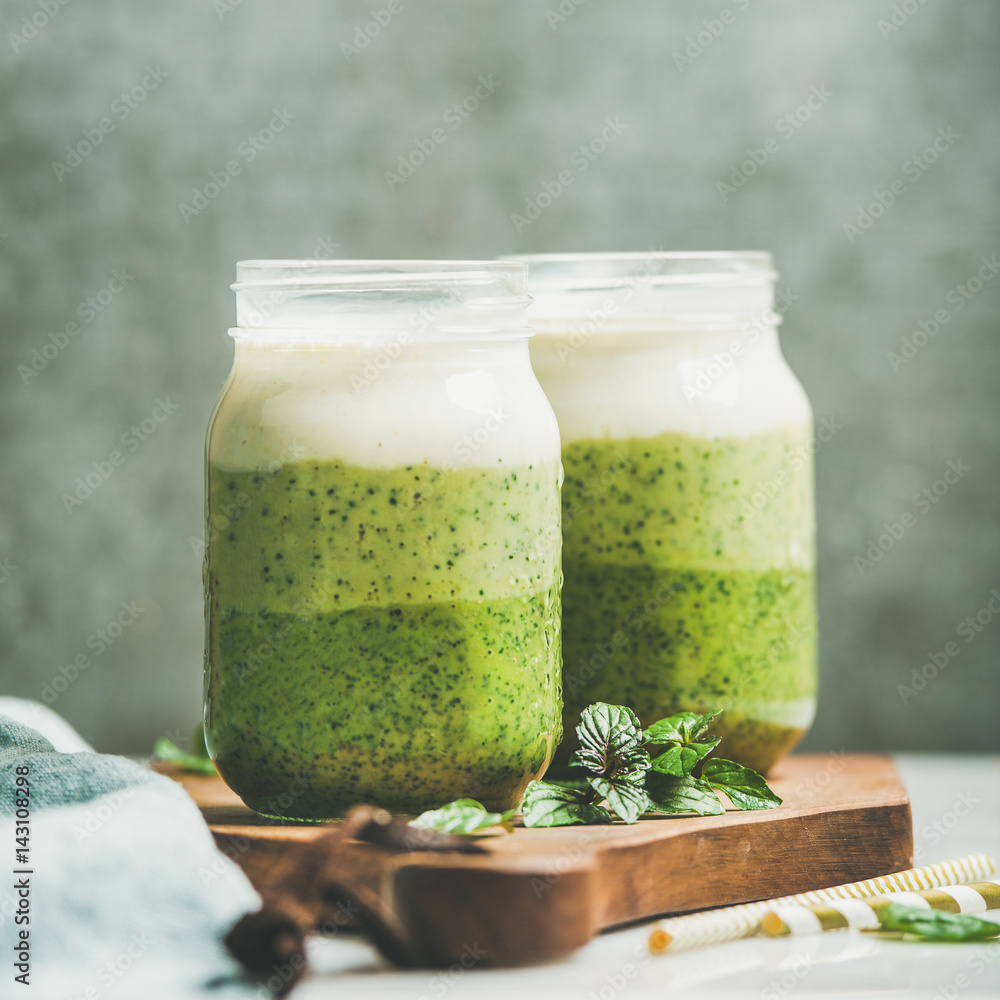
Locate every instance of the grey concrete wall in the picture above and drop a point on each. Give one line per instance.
(881, 98)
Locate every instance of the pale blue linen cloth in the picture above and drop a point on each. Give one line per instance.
(129, 897)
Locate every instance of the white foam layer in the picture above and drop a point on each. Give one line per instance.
(401, 404)
(619, 383)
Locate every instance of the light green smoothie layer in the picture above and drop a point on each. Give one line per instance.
(689, 583)
(327, 536)
(392, 635)
(675, 500)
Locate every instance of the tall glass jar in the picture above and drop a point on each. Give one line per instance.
(383, 542)
(688, 510)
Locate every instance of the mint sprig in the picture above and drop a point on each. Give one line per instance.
(622, 778)
(624, 775)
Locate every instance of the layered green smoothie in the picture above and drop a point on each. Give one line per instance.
(689, 582)
(385, 635)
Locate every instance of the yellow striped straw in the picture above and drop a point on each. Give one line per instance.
(866, 914)
(731, 922)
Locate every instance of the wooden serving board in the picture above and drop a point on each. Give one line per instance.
(537, 894)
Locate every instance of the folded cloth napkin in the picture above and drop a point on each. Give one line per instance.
(120, 886)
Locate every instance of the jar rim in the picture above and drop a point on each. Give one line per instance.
(573, 271)
(704, 289)
(360, 272)
(427, 299)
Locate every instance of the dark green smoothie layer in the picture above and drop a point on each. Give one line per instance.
(382, 635)
(689, 583)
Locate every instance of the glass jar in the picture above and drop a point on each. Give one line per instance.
(688, 510)
(383, 543)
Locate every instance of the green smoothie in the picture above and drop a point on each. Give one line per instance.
(389, 636)
(689, 583)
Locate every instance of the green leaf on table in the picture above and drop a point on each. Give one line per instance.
(936, 925)
(610, 742)
(548, 803)
(682, 728)
(462, 816)
(670, 794)
(746, 789)
(627, 798)
(680, 760)
(170, 753)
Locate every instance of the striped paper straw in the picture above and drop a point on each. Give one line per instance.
(732, 922)
(865, 914)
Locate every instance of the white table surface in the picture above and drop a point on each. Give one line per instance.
(956, 811)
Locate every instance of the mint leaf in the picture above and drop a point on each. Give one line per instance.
(936, 925)
(628, 798)
(680, 760)
(745, 788)
(684, 727)
(547, 803)
(610, 742)
(670, 794)
(170, 753)
(462, 816)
